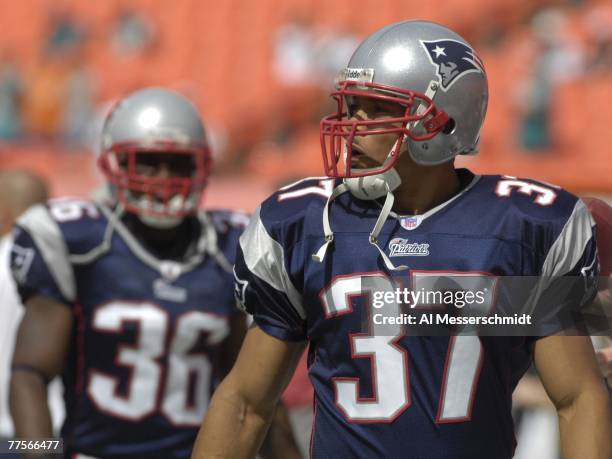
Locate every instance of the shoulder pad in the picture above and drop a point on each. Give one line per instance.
(81, 223)
(225, 220)
(295, 200)
(49, 240)
(532, 200)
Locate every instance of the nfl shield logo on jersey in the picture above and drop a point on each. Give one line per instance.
(410, 223)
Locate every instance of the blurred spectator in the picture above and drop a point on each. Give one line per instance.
(334, 47)
(307, 58)
(133, 33)
(295, 51)
(310, 55)
(11, 86)
(58, 101)
(63, 32)
(598, 24)
(43, 100)
(78, 104)
(558, 59)
(18, 191)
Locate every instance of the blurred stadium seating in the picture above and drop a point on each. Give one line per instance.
(219, 53)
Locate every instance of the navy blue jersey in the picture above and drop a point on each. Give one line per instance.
(147, 332)
(399, 396)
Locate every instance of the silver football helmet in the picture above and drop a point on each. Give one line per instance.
(155, 156)
(429, 70)
(440, 82)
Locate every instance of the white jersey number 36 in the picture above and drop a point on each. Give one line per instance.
(144, 359)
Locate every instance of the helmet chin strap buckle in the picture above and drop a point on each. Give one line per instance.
(437, 122)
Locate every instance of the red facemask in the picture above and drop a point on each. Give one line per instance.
(421, 121)
(175, 192)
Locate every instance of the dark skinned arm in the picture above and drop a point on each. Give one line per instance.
(40, 351)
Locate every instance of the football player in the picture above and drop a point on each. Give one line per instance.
(131, 299)
(397, 211)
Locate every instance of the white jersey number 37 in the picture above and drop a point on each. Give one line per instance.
(389, 360)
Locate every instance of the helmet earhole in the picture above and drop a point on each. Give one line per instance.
(449, 127)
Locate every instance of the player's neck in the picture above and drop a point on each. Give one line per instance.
(425, 187)
(166, 244)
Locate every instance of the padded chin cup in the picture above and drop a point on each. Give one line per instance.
(373, 186)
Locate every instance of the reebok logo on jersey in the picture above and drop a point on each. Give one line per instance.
(400, 247)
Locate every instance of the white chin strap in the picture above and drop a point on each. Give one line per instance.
(373, 186)
(367, 188)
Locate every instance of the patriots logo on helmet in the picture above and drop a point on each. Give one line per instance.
(453, 60)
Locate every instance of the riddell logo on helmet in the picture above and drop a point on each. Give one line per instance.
(353, 74)
(453, 59)
(357, 74)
